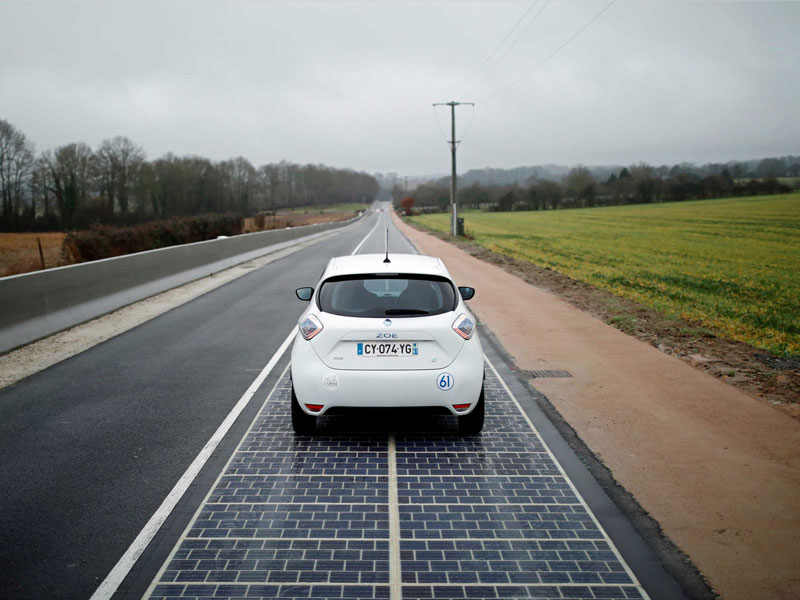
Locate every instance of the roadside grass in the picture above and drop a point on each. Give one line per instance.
(626, 323)
(730, 264)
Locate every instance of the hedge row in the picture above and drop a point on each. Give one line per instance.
(104, 241)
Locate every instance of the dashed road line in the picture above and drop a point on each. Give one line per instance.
(395, 571)
(364, 241)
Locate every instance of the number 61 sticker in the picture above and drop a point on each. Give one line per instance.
(445, 381)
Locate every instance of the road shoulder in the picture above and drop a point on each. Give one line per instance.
(716, 468)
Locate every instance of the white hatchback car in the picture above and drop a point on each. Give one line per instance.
(383, 334)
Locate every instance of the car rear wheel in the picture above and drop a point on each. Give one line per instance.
(301, 422)
(473, 422)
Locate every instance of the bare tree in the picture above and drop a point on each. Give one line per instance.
(119, 163)
(70, 172)
(16, 162)
(239, 183)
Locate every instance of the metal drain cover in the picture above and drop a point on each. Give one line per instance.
(546, 374)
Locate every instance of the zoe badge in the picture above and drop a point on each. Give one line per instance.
(445, 381)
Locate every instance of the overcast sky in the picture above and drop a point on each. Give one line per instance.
(350, 84)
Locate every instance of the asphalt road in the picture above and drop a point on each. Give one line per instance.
(91, 446)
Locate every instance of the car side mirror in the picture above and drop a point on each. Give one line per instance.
(466, 292)
(304, 293)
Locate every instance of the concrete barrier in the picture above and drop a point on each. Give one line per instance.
(38, 304)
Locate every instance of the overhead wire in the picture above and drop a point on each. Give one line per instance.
(471, 121)
(507, 50)
(551, 55)
(438, 125)
(496, 48)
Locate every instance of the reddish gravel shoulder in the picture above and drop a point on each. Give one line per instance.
(718, 468)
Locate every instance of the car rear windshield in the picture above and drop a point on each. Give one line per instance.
(386, 296)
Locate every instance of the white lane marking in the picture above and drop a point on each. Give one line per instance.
(568, 480)
(205, 501)
(395, 570)
(146, 535)
(371, 231)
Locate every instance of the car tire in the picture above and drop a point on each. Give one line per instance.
(301, 422)
(473, 422)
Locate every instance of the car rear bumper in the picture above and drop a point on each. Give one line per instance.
(317, 384)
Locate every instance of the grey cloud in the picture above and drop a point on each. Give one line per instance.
(350, 84)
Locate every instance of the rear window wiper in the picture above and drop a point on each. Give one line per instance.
(406, 311)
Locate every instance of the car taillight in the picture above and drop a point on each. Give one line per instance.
(310, 327)
(464, 326)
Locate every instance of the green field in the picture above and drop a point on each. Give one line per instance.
(732, 264)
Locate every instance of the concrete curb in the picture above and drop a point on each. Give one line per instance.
(42, 303)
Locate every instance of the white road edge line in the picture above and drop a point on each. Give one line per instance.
(371, 231)
(569, 481)
(395, 568)
(148, 532)
(115, 577)
(156, 580)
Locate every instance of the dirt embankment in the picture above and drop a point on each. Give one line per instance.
(717, 468)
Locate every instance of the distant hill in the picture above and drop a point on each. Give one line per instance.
(489, 175)
(523, 175)
(778, 166)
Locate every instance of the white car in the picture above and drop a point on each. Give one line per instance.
(393, 334)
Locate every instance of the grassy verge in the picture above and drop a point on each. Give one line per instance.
(728, 264)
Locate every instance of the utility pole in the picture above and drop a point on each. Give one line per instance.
(452, 104)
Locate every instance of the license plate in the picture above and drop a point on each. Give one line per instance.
(387, 349)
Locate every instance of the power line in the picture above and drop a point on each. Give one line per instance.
(514, 43)
(492, 53)
(551, 55)
(438, 125)
(470, 124)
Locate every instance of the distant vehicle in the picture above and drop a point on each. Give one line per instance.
(387, 334)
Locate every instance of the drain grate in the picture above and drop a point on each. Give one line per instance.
(546, 374)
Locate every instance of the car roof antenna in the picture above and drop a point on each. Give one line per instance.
(386, 260)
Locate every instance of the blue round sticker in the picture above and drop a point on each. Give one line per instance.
(445, 381)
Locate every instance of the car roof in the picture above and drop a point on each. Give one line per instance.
(373, 264)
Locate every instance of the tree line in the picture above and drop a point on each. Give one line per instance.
(583, 187)
(74, 186)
